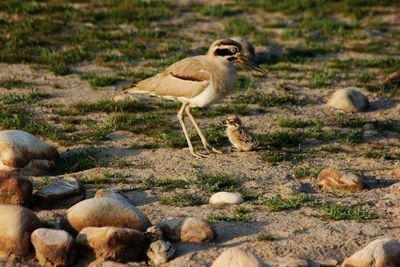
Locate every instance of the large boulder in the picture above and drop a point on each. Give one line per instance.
(19, 148)
(98, 212)
(16, 225)
(15, 189)
(349, 100)
(226, 198)
(188, 229)
(53, 247)
(379, 253)
(237, 257)
(60, 193)
(334, 180)
(111, 243)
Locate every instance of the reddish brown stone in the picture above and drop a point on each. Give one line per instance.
(335, 180)
(15, 189)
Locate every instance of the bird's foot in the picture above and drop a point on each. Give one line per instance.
(210, 149)
(197, 154)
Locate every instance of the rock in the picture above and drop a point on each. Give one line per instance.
(189, 229)
(154, 233)
(100, 212)
(53, 247)
(335, 180)
(19, 148)
(247, 47)
(226, 198)
(111, 243)
(16, 225)
(109, 193)
(294, 262)
(15, 189)
(236, 257)
(349, 100)
(60, 193)
(160, 252)
(379, 253)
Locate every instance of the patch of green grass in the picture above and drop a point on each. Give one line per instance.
(231, 109)
(183, 200)
(293, 202)
(144, 146)
(28, 98)
(339, 212)
(281, 139)
(277, 156)
(216, 182)
(322, 78)
(110, 106)
(218, 11)
(365, 77)
(265, 236)
(254, 97)
(238, 214)
(239, 27)
(16, 118)
(11, 83)
(100, 81)
(305, 172)
(78, 160)
(293, 123)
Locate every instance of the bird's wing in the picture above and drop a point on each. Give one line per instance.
(246, 137)
(185, 78)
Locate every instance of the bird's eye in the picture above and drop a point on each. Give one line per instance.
(233, 50)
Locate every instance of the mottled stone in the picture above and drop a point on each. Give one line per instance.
(100, 212)
(53, 247)
(189, 229)
(16, 225)
(59, 193)
(349, 100)
(237, 257)
(15, 189)
(379, 253)
(109, 193)
(335, 180)
(160, 252)
(111, 243)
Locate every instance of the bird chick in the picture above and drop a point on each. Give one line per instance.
(240, 137)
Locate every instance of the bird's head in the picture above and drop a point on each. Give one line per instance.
(232, 51)
(232, 121)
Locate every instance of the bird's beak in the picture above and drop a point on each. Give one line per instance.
(242, 59)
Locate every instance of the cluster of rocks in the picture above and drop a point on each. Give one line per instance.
(104, 228)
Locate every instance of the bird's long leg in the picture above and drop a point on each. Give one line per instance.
(206, 145)
(180, 119)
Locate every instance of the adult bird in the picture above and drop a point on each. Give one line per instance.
(198, 81)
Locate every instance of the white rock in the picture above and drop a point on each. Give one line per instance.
(236, 257)
(379, 253)
(226, 198)
(19, 148)
(349, 100)
(16, 225)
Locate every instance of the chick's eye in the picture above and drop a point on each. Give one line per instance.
(233, 50)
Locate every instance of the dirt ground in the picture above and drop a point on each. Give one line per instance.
(302, 232)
